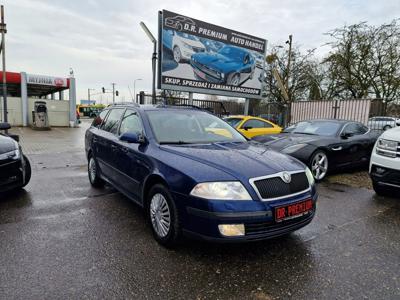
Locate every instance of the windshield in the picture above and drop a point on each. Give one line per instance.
(231, 52)
(234, 122)
(324, 128)
(190, 127)
(187, 36)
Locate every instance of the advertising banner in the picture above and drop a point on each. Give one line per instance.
(203, 58)
(46, 80)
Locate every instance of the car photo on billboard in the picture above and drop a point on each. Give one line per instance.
(182, 45)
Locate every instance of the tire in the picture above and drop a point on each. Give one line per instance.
(318, 165)
(233, 79)
(163, 216)
(386, 127)
(93, 173)
(379, 190)
(177, 54)
(28, 171)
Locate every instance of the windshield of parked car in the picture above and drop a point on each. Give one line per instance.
(324, 128)
(190, 127)
(231, 52)
(187, 36)
(234, 122)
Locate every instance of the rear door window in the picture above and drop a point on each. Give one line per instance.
(100, 119)
(112, 122)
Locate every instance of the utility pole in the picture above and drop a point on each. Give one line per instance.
(288, 63)
(3, 50)
(134, 87)
(88, 93)
(113, 92)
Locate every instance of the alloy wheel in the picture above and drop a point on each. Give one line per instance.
(160, 215)
(177, 54)
(235, 80)
(319, 165)
(92, 170)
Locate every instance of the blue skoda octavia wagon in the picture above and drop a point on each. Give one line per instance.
(195, 175)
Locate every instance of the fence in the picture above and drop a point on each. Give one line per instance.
(375, 113)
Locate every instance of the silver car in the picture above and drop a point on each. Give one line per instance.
(383, 123)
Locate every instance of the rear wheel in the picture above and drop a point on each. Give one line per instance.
(163, 216)
(93, 173)
(319, 165)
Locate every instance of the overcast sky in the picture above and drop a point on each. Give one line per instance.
(103, 42)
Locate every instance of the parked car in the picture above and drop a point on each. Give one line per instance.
(385, 163)
(15, 169)
(230, 65)
(252, 126)
(325, 145)
(182, 45)
(197, 176)
(383, 123)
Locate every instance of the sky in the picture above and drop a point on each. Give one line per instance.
(102, 42)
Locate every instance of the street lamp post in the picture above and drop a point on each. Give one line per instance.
(153, 59)
(134, 88)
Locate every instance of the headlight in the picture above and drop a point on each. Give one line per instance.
(387, 148)
(294, 148)
(187, 45)
(15, 154)
(226, 190)
(310, 176)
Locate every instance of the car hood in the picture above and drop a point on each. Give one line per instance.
(392, 134)
(215, 61)
(193, 43)
(241, 160)
(7, 144)
(283, 140)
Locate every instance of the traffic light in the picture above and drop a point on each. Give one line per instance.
(103, 89)
(116, 93)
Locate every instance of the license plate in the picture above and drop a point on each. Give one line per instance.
(200, 74)
(292, 211)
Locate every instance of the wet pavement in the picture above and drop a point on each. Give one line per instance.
(60, 238)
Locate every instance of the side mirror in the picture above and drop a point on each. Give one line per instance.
(247, 128)
(345, 135)
(134, 138)
(5, 126)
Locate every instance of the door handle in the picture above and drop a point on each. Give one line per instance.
(113, 148)
(337, 148)
(125, 150)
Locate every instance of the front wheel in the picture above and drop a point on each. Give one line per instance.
(177, 54)
(163, 216)
(319, 165)
(379, 190)
(233, 79)
(28, 171)
(387, 127)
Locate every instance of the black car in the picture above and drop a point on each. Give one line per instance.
(324, 145)
(15, 169)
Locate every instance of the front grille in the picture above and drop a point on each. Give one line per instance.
(205, 69)
(270, 228)
(386, 175)
(275, 187)
(9, 170)
(197, 49)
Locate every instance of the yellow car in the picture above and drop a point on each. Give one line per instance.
(252, 126)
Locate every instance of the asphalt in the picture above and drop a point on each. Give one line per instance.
(60, 238)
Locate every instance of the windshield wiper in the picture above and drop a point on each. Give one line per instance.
(176, 143)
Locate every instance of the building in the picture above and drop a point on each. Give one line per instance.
(23, 90)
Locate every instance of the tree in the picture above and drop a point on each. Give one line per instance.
(365, 61)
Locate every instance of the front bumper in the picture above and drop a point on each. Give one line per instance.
(389, 170)
(11, 174)
(200, 218)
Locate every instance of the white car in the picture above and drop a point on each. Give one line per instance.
(184, 45)
(385, 163)
(383, 123)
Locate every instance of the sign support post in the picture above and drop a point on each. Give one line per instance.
(190, 98)
(3, 50)
(246, 106)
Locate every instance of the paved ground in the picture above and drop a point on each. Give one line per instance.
(62, 239)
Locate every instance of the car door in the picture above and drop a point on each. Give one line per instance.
(355, 144)
(106, 144)
(255, 127)
(246, 68)
(132, 161)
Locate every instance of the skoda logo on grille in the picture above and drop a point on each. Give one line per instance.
(286, 177)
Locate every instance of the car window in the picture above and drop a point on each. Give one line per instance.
(130, 123)
(100, 119)
(355, 129)
(254, 123)
(323, 128)
(233, 121)
(111, 124)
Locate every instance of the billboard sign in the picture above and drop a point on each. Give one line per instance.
(46, 80)
(203, 58)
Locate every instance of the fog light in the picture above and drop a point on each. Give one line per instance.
(380, 170)
(231, 229)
